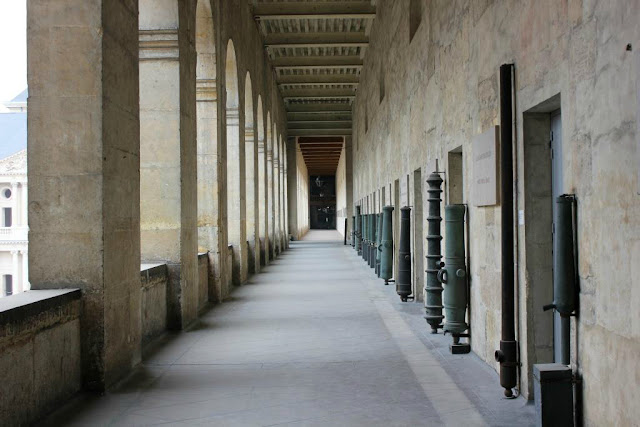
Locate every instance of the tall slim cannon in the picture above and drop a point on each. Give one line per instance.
(433, 288)
(403, 281)
(386, 246)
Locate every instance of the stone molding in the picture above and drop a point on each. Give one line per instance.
(233, 116)
(206, 90)
(159, 45)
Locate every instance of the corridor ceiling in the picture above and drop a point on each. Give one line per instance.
(317, 49)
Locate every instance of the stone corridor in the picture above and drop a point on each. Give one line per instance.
(314, 339)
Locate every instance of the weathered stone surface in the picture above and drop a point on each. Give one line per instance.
(39, 353)
(84, 156)
(153, 306)
(442, 90)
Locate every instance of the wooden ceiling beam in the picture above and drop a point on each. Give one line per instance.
(318, 79)
(323, 93)
(317, 61)
(319, 125)
(329, 39)
(319, 132)
(323, 116)
(313, 8)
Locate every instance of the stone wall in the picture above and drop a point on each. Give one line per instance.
(203, 281)
(39, 353)
(302, 197)
(341, 193)
(442, 90)
(153, 308)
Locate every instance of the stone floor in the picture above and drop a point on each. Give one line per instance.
(314, 340)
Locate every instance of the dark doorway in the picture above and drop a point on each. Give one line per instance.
(322, 202)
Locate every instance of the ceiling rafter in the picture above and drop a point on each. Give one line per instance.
(315, 8)
(317, 49)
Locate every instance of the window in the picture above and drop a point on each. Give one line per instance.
(6, 193)
(6, 217)
(415, 17)
(8, 284)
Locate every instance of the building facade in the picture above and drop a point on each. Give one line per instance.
(14, 276)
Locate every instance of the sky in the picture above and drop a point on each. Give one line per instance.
(13, 48)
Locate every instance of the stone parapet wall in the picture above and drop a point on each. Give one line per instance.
(39, 353)
(203, 282)
(155, 281)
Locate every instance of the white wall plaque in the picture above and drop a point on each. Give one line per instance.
(485, 168)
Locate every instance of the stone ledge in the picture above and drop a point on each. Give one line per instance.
(149, 272)
(19, 307)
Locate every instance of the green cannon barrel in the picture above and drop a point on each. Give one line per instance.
(386, 245)
(433, 288)
(365, 237)
(564, 270)
(353, 231)
(372, 242)
(358, 229)
(454, 273)
(403, 281)
(378, 243)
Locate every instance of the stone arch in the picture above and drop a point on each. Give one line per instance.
(250, 175)
(235, 198)
(207, 138)
(168, 151)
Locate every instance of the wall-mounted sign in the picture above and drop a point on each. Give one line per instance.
(485, 168)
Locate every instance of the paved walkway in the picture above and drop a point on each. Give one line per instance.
(314, 340)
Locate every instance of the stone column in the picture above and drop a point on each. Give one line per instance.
(208, 218)
(263, 202)
(168, 151)
(251, 201)
(286, 195)
(280, 195)
(270, 201)
(24, 198)
(24, 283)
(16, 217)
(83, 155)
(276, 196)
(15, 272)
(348, 157)
(292, 187)
(236, 198)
